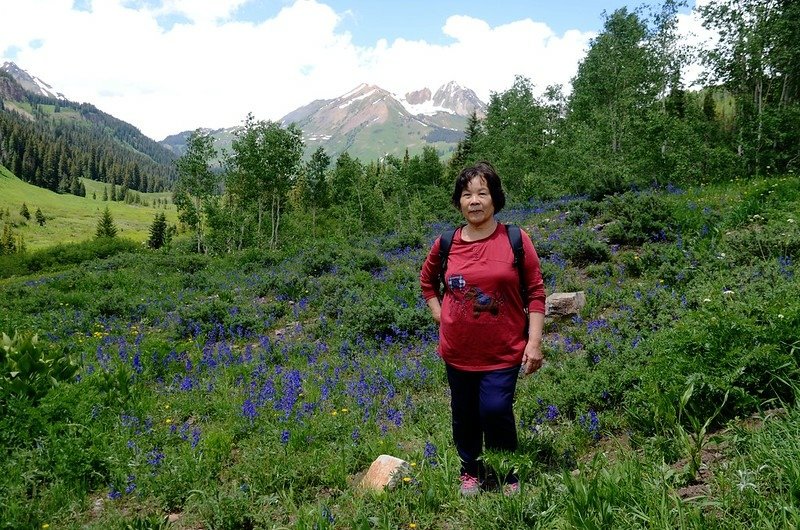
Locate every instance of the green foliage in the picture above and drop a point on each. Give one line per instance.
(634, 218)
(105, 226)
(23, 211)
(40, 218)
(64, 255)
(582, 248)
(29, 370)
(159, 235)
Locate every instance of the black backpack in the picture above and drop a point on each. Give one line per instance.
(514, 238)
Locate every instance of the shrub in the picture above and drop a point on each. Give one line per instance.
(29, 370)
(63, 255)
(581, 248)
(638, 217)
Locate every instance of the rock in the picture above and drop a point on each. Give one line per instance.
(173, 517)
(385, 472)
(560, 305)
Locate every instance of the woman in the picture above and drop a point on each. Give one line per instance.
(487, 332)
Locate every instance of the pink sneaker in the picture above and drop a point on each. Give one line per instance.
(470, 486)
(511, 489)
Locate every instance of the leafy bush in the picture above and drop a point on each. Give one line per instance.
(28, 370)
(637, 217)
(63, 255)
(582, 248)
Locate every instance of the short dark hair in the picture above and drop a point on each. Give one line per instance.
(485, 171)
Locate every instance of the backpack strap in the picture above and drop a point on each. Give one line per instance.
(515, 239)
(445, 242)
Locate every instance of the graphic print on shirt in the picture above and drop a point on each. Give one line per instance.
(471, 298)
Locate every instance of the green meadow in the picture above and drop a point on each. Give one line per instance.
(72, 219)
(169, 389)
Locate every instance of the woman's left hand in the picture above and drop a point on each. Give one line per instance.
(532, 357)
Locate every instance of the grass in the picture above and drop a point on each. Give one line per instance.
(251, 390)
(71, 218)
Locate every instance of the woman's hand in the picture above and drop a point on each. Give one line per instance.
(532, 357)
(436, 309)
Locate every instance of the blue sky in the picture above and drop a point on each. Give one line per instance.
(155, 63)
(368, 21)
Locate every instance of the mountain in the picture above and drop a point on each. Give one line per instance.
(369, 122)
(30, 83)
(52, 142)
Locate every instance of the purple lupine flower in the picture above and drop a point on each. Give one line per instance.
(285, 437)
(249, 410)
(155, 457)
(552, 413)
(186, 383)
(131, 484)
(113, 494)
(430, 453)
(137, 362)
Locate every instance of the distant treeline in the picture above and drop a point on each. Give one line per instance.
(53, 150)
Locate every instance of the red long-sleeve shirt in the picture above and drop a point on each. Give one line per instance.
(483, 322)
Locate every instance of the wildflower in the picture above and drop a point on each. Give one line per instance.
(790, 220)
(406, 479)
(552, 412)
(113, 494)
(430, 454)
(249, 410)
(285, 437)
(412, 525)
(155, 457)
(131, 484)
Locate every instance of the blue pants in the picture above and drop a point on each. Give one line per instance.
(481, 403)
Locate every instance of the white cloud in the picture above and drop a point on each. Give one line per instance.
(696, 37)
(212, 71)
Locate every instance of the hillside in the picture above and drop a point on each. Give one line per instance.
(52, 142)
(70, 219)
(271, 380)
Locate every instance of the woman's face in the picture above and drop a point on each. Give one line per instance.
(476, 202)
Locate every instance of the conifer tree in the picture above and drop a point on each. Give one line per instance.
(158, 231)
(40, 217)
(105, 225)
(113, 192)
(7, 243)
(24, 212)
(105, 193)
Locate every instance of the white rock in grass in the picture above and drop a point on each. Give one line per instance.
(386, 472)
(564, 304)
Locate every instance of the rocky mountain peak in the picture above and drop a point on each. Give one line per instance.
(419, 97)
(462, 101)
(30, 83)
